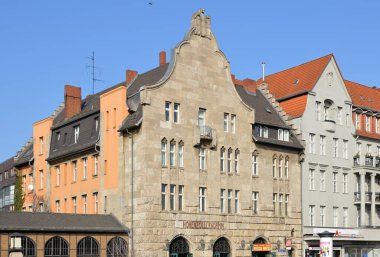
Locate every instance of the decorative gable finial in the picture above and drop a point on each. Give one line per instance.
(201, 24)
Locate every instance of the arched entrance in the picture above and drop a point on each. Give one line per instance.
(179, 248)
(261, 248)
(221, 248)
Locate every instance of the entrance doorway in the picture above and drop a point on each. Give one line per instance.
(261, 248)
(221, 248)
(179, 248)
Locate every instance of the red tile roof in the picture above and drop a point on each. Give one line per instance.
(294, 106)
(364, 96)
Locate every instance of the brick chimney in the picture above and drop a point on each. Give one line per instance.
(162, 58)
(73, 101)
(130, 76)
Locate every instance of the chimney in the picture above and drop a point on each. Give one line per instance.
(130, 76)
(73, 101)
(162, 58)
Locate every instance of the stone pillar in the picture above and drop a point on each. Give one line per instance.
(373, 204)
(362, 199)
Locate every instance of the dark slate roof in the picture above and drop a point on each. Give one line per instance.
(266, 114)
(6, 165)
(24, 156)
(133, 120)
(59, 222)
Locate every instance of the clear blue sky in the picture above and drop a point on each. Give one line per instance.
(45, 44)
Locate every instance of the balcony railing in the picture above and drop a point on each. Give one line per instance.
(377, 197)
(367, 197)
(205, 132)
(356, 196)
(369, 161)
(330, 125)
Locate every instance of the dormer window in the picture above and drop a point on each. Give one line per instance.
(283, 135)
(96, 124)
(58, 136)
(265, 132)
(76, 134)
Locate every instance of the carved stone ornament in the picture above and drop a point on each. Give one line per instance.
(201, 24)
(330, 78)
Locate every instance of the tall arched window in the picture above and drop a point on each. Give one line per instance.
(221, 248)
(179, 247)
(117, 247)
(56, 246)
(28, 247)
(88, 247)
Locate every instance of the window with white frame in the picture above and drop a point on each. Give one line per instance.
(345, 149)
(167, 111)
(357, 120)
(225, 122)
(335, 216)
(286, 167)
(335, 182)
(176, 116)
(58, 172)
(265, 132)
(312, 143)
(41, 179)
(322, 180)
(311, 215)
(255, 202)
(172, 153)
(280, 167)
(41, 145)
(369, 146)
(202, 199)
(323, 215)
(274, 203)
(180, 197)
(237, 193)
(318, 113)
(286, 135)
(280, 134)
(286, 205)
(345, 183)
(202, 159)
(74, 163)
(378, 150)
(229, 160)
(180, 154)
(201, 117)
(84, 161)
(368, 123)
(222, 157)
(96, 165)
(339, 115)
(74, 202)
(274, 167)
(377, 125)
(163, 196)
(259, 130)
(57, 206)
(311, 179)
(229, 201)
(222, 200)
(359, 148)
(172, 197)
(280, 199)
(335, 147)
(255, 165)
(84, 201)
(163, 152)
(96, 202)
(76, 134)
(233, 123)
(345, 217)
(237, 154)
(322, 142)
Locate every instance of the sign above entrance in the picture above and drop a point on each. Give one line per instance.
(338, 232)
(261, 247)
(203, 224)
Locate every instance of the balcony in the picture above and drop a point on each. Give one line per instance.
(356, 197)
(329, 125)
(369, 161)
(206, 133)
(377, 198)
(367, 197)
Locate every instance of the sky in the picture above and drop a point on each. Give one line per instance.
(45, 45)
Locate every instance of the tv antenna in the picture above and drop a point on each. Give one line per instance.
(93, 67)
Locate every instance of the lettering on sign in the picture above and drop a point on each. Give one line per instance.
(262, 247)
(203, 224)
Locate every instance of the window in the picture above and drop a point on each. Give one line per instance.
(229, 201)
(117, 247)
(286, 135)
(176, 113)
(163, 152)
(167, 111)
(233, 123)
(312, 143)
(368, 149)
(345, 149)
(23, 184)
(225, 122)
(348, 120)
(96, 168)
(359, 148)
(222, 206)
(274, 167)
(311, 179)
(237, 153)
(88, 247)
(229, 157)
(357, 120)
(172, 197)
(58, 172)
(318, 110)
(345, 217)
(280, 199)
(74, 201)
(57, 206)
(323, 216)
(345, 183)
(96, 202)
(286, 205)
(287, 168)
(84, 201)
(280, 167)
(201, 117)
(280, 134)
(368, 123)
(41, 179)
(322, 143)
(222, 153)
(180, 154)
(163, 196)
(255, 202)
(265, 132)
(274, 203)
(28, 247)
(76, 134)
(377, 125)
(56, 246)
(255, 165)
(74, 171)
(322, 180)
(180, 197)
(41, 145)
(335, 182)
(259, 131)
(339, 116)
(311, 215)
(202, 199)
(335, 216)
(84, 161)
(96, 124)
(202, 159)
(335, 147)
(172, 153)
(237, 192)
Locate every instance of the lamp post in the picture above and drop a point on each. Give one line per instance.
(326, 244)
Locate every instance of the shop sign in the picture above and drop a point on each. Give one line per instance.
(202, 224)
(261, 247)
(338, 232)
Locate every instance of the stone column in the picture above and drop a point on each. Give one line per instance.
(362, 198)
(373, 204)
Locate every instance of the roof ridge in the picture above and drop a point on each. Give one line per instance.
(360, 84)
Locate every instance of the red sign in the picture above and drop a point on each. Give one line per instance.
(288, 243)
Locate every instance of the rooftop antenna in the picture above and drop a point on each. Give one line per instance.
(263, 64)
(93, 67)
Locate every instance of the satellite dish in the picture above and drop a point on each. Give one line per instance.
(30, 187)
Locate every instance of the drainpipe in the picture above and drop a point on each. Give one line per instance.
(132, 196)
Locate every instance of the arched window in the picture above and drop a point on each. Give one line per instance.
(328, 110)
(221, 248)
(179, 247)
(117, 247)
(28, 247)
(88, 247)
(56, 246)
